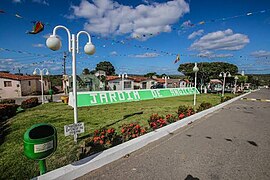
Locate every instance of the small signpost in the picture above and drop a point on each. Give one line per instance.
(74, 129)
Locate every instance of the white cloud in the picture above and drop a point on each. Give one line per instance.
(16, 1)
(44, 2)
(195, 34)
(260, 54)
(107, 17)
(220, 40)
(145, 55)
(38, 45)
(210, 55)
(113, 53)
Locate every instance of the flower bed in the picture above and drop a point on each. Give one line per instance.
(106, 138)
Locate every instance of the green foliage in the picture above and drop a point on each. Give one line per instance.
(7, 101)
(150, 74)
(107, 67)
(203, 106)
(85, 71)
(56, 80)
(7, 110)
(207, 70)
(226, 98)
(29, 103)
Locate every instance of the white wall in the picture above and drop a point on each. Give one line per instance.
(118, 84)
(10, 92)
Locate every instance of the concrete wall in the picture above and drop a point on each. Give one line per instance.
(10, 92)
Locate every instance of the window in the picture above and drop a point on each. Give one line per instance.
(7, 84)
(29, 83)
(45, 82)
(127, 84)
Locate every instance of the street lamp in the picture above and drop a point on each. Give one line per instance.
(166, 78)
(224, 74)
(123, 76)
(54, 43)
(235, 81)
(41, 80)
(195, 70)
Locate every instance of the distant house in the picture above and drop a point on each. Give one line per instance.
(143, 82)
(115, 83)
(12, 85)
(215, 85)
(88, 82)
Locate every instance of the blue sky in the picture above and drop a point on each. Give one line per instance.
(138, 36)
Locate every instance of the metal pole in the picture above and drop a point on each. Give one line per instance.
(194, 103)
(224, 75)
(41, 74)
(42, 166)
(123, 86)
(73, 51)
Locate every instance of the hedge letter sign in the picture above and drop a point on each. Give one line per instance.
(93, 98)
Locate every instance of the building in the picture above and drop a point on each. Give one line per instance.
(88, 82)
(116, 83)
(12, 86)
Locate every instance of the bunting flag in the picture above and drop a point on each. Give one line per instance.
(177, 59)
(37, 28)
(18, 16)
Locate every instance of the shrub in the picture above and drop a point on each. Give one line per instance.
(226, 98)
(184, 111)
(28, 103)
(157, 121)
(130, 131)
(7, 110)
(104, 138)
(204, 105)
(7, 101)
(171, 118)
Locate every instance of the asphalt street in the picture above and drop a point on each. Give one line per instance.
(231, 143)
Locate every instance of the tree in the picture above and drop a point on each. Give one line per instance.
(107, 67)
(207, 70)
(85, 71)
(150, 74)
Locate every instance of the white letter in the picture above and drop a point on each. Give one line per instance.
(121, 94)
(136, 95)
(103, 96)
(94, 99)
(112, 97)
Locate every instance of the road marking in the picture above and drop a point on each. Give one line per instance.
(253, 99)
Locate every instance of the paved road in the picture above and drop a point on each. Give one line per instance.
(231, 143)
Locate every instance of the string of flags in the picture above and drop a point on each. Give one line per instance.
(38, 26)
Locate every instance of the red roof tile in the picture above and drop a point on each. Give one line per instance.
(17, 77)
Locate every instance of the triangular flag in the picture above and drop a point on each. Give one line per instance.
(177, 59)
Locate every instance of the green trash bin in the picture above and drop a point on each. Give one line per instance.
(40, 141)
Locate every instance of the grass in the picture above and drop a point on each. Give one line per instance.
(13, 163)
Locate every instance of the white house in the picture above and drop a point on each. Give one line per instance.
(12, 85)
(117, 83)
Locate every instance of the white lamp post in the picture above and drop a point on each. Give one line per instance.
(195, 70)
(224, 74)
(235, 81)
(54, 43)
(123, 76)
(166, 82)
(41, 80)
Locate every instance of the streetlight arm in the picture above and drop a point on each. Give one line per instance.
(77, 38)
(68, 32)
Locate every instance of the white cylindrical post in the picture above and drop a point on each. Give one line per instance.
(223, 87)
(73, 52)
(123, 81)
(194, 103)
(42, 98)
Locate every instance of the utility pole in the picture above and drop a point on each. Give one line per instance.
(64, 63)
(64, 73)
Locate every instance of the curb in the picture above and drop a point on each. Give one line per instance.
(253, 99)
(88, 164)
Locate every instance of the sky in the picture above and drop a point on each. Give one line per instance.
(137, 37)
